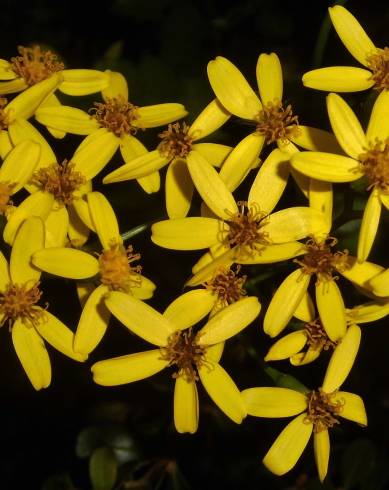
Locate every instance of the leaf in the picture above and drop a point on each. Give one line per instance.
(61, 481)
(103, 468)
(359, 461)
(87, 440)
(285, 380)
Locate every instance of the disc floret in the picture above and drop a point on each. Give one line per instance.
(317, 338)
(116, 270)
(176, 141)
(375, 164)
(378, 63)
(322, 410)
(227, 286)
(6, 190)
(117, 115)
(277, 123)
(17, 301)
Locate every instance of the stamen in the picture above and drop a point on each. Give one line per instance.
(117, 115)
(5, 194)
(176, 142)
(379, 65)
(317, 337)
(375, 164)
(275, 122)
(17, 302)
(227, 286)
(4, 115)
(35, 64)
(61, 180)
(322, 412)
(116, 270)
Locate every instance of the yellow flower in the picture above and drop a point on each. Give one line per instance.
(112, 124)
(319, 410)
(379, 284)
(30, 323)
(349, 78)
(178, 146)
(368, 157)
(111, 270)
(193, 354)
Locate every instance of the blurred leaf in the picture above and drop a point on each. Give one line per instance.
(87, 440)
(113, 53)
(103, 469)
(358, 461)
(59, 482)
(348, 234)
(285, 380)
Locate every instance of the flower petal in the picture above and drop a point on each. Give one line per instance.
(321, 199)
(369, 312)
(273, 402)
(153, 116)
(315, 140)
(287, 346)
(203, 274)
(306, 309)
(19, 164)
(272, 253)
(150, 183)
(214, 153)
(339, 79)
(360, 274)
(66, 262)
(378, 128)
(190, 308)
(369, 225)
(186, 406)
(306, 357)
(68, 119)
(379, 283)
(4, 272)
(331, 308)
(209, 120)
(321, 445)
(104, 219)
(6, 71)
(178, 189)
(83, 82)
(56, 228)
(352, 407)
(144, 290)
(138, 167)
(269, 78)
(117, 86)
(77, 230)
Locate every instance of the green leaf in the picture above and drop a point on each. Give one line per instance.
(59, 482)
(103, 468)
(285, 380)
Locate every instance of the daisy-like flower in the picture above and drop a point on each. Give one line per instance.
(368, 157)
(194, 355)
(178, 146)
(29, 323)
(349, 78)
(113, 123)
(317, 410)
(112, 270)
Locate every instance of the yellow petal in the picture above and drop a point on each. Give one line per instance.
(360, 274)
(369, 312)
(4, 272)
(214, 252)
(13, 86)
(53, 101)
(209, 120)
(306, 357)
(342, 359)
(32, 354)
(178, 189)
(84, 290)
(20, 163)
(214, 352)
(379, 283)
(327, 166)
(339, 79)
(321, 445)
(56, 228)
(140, 318)
(351, 34)
(269, 78)
(117, 86)
(150, 183)
(274, 402)
(66, 262)
(186, 406)
(68, 119)
(131, 147)
(83, 82)
(189, 308)
(186, 233)
(153, 116)
(287, 346)
(6, 71)
(270, 182)
(78, 232)
(126, 369)
(80, 210)
(229, 321)
(306, 309)
(321, 199)
(93, 322)
(203, 274)
(315, 140)
(210, 186)
(223, 391)
(29, 238)
(285, 301)
(272, 253)
(58, 335)
(288, 447)
(214, 153)
(104, 219)
(352, 407)
(232, 89)
(301, 180)
(331, 308)
(5, 144)
(378, 127)
(144, 290)
(369, 225)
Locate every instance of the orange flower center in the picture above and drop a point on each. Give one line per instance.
(274, 122)
(17, 302)
(117, 115)
(176, 142)
(322, 411)
(228, 286)
(379, 65)
(375, 164)
(116, 270)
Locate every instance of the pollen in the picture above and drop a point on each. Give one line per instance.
(176, 142)
(317, 337)
(227, 286)
(184, 352)
(322, 410)
(116, 270)
(35, 64)
(4, 115)
(276, 123)
(375, 164)
(117, 115)
(6, 190)
(321, 260)
(61, 180)
(17, 302)
(379, 65)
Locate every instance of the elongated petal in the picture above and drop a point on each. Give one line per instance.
(32, 354)
(81, 210)
(139, 167)
(230, 321)
(232, 89)
(68, 119)
(285, 301)
(140, 318)
(287, 346)
(20, 163)
(378, 127)
(5, 143)
(150, 183)
(144, 290)
(306, 309)
(6, 71)
(210, 186)
(331, 308)
(214, 352)
(360, 274)
(186, 233)
(189, 308)
(104, 219)
(369, 226)
(117, 86)
(315, 140)
(153, 116)
(351, 34)
(56, 228)
(223, 391)
(126, 369)
(214, 153)
(274, 402)
(273, 253)
(178, 189)
(306, 357)
(13, 86)
(203, 274)
(53, 101)
(352, 407)
(327, 166)
(131, 147)
(339, 79)
(209, 120)
(186, 406)
(342, 359)
(83, 82)
(66, 262)
(369, 312)
(321, 199)
(346, 126)
(288, 447)
(269, 78)
(321, 445)
(78, 232)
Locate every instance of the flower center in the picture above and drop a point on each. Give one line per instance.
(275, 122)
(35, 64)
(176, 141)
(227, 286)
(375, 164)
(321, 260)
(317, 337)
(116, 270)
(183, 351)
(245, 228)
(5, 194)
(17, 301)
(322, 412)
(61, 180)
(4, 115)
(117, 115)
(379, 65)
